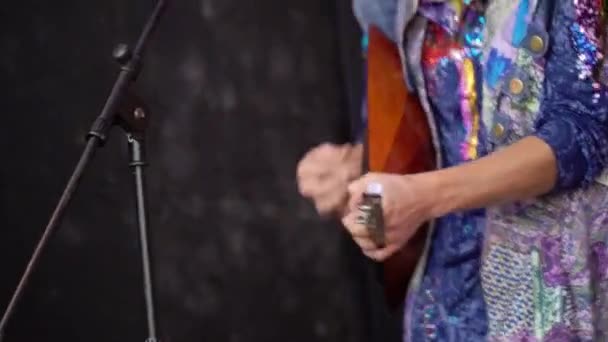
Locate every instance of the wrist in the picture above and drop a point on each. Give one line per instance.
(441, 192)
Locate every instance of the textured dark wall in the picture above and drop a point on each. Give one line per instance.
(239, 90)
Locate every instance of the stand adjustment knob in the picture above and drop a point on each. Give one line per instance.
(122, 54)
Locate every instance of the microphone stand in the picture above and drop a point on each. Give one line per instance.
(124, 109)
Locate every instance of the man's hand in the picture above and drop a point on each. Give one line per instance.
(406, 202)
(325, 172)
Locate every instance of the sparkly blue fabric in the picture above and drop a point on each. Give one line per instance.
(450, 305)
(571, 121)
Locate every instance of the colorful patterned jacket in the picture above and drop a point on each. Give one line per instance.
(545, 261)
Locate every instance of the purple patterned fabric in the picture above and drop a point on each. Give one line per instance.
(600, 254)
(554, 272)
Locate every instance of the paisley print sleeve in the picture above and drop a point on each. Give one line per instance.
(574, 110)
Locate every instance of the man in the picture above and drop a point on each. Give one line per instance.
(522, 141)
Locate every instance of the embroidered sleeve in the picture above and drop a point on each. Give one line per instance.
(574, 111)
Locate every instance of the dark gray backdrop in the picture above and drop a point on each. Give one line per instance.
(239, 91)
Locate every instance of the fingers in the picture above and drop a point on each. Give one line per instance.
(328, 153)
(309, 169)
(323, 175)
(356, 190)
(314, 187)
(357, 230)
(320, 163)
(308, 186)
(355, 196)
(366, 245)
(362, 237)
(328, 195)
(309, 165)
(380, 255)
(318, 184)
(330, 203)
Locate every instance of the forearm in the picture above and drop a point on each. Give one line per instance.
(523, 170)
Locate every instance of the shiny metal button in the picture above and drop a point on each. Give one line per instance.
(516, 86)
(537, 44)
(498, 130)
